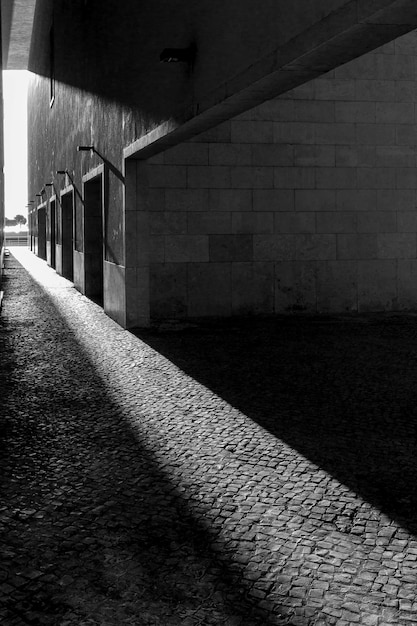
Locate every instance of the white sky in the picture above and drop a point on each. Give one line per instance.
(15, 141)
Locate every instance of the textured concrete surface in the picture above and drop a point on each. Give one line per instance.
(307, 200)
(251, 473)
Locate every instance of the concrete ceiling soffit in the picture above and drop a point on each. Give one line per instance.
(357, 27)
(17, 25)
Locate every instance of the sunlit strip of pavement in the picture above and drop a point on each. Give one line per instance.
(307, 548)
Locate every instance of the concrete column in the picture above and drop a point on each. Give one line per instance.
(136, 225)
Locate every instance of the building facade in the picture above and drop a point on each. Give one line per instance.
(268, 166)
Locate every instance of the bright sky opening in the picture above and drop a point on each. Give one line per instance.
(15, 142)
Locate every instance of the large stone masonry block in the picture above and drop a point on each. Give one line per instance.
(354, 112)
(395, 113)
(375, 91)
(397, 246)
(334, 89)
(336, 178)
(210, 222)
(295, 222)
(395, 156)
(407, 284)
(312, 156)
(405, 91)
(152, 200)
(377, 222)
(314, 111)
(355, 156)
(337, 286)
(251, 131)
(168, 223)
(186, 248)
(295, 287)
(294, 133)
(252, 288)
(270, 154)
(395, 67)
(157, 249)
(246, 222)
(294, 178)
(356, 200)
(396, 200)
(187, 199)
(405, 178)
(315, 247)
(209, 289)
(230, 248)
(230, 200)
(406, 135)
(252, 177)
(274, 247)
(230, 154)
(273, 200)
(271, 110)
(377, 285)
(167, 176)
(315, 200)
(335, 134)
(212, 176)
(376, 178)
(336, 222)
(407, 221)
(376, 134)
(168, 290)
(357, 246)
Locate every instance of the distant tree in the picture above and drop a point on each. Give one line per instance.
(10, 222)
(20, 220)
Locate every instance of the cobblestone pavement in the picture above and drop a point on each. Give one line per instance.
(238, 473)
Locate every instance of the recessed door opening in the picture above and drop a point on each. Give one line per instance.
(93, 238)
(67, 207)
(42, 232)
(52, 234)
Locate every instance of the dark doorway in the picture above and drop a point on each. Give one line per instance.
(52, 225)
(42, 232)
(50, 234)
(93, 238)
(67, 205)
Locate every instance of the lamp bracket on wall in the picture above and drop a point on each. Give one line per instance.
(86, 149)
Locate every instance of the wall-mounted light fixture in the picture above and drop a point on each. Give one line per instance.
(85, 149)
(177, 55)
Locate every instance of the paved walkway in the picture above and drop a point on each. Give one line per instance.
(238, 474)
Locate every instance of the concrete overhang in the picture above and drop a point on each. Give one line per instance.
(16, 30)
(354, 28)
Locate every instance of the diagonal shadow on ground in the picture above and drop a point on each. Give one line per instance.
(92, 531)
(342, 391)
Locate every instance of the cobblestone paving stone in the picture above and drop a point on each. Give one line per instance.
(236, 473)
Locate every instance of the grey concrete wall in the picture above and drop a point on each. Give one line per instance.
(110, 91)
(305, 203)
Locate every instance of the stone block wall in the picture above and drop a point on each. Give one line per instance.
(305, 203)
